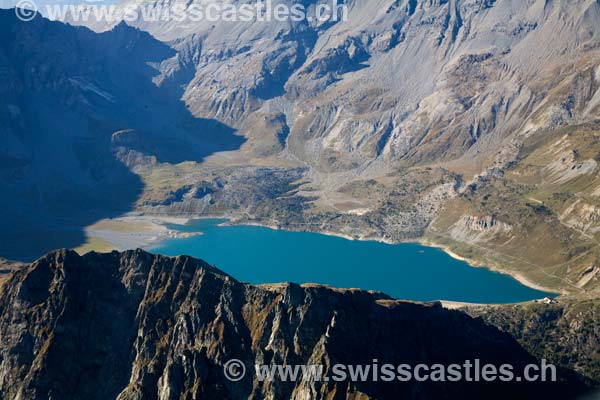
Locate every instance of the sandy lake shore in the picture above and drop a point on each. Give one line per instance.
(131, 232)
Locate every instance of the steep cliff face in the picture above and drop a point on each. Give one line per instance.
(141, 326)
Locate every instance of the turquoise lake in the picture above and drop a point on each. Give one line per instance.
(405, 271)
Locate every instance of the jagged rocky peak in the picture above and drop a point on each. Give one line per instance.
(134, 325)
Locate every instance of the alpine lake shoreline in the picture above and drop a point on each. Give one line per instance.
(150, 232)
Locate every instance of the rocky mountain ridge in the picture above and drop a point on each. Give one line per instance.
(138, 326)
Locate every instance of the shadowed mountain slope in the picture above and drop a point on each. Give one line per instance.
(74, 107)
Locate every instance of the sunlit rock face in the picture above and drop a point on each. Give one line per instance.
(408, 81)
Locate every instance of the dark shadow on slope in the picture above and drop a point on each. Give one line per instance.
(297, 44)
(70, 101)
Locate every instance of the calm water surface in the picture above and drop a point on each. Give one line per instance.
(407, 271)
